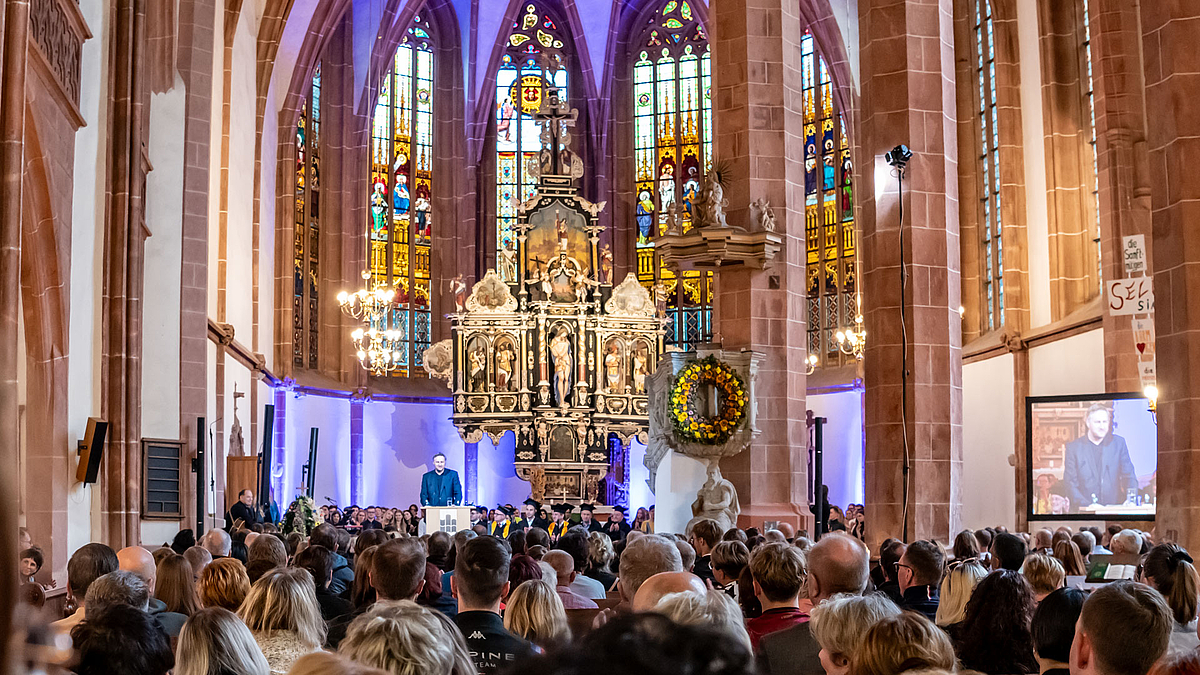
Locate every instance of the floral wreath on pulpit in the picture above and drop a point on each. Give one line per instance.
(301, 517)
(695, 426)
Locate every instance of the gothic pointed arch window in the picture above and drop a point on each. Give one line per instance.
(401, 219)
(536, 36)
(306, 228)
(991, 253)
(672, 113)
(831, 263)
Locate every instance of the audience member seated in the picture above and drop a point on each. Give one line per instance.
(118, 588)
(396, 572)
(175, 585)
(905, 642)
(403, 638)
(575, 544)
(994, 636)
(1123, 629)
(87, 564)
(646, 644)
(325, 663)
(282, 613)
(31, 561)
(1086, 542)
(564, 569)
(437, 548)
(643, 558)
(728, 560)
(919, 572)
(837, 564)
(264, 554)
(1053, 630)
(1178, 663)
(966, 546)
(958, 584)
(710, 608)
(838, 627)
(121, 640)
(534, 611)
(1169, 570)
(890, 553)
(1007, 552)
(223, 584)
(1044, 574)
(139, 561)
(214, 641)
(1067, 552)
(449, 604)
(735, 534)
(318, 560)
(480, 580)
(198, 558)
(659, 586)
(600, 557)
(217, 542)
(706, 534)
(779, 575)
(362, 593)
(343, 576)
(184, 539)
(687, 554)
(1126, 542)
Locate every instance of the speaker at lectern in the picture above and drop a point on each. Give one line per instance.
(449, 519)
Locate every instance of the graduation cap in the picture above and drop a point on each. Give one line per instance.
(563, 508)
(506, 510)
(586, 507)
(622, 509)
(533, 502)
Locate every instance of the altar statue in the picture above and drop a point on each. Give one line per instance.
(612, 369)
(504, 366)
(717, 499)
(560, 226)
(478, 370)
(459, 288)
(560, 353)
(639, 370)
(714, 202)
(606, 263)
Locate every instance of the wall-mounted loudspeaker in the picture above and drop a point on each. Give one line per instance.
(91, 450)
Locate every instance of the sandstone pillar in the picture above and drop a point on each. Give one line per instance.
(913, 399)
(759, 131)
(1172, 73)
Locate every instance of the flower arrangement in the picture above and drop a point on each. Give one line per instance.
(691, 425)
(301, 517)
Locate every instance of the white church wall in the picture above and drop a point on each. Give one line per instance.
(989, 440)
(239, 275)
(87, 219)
(1073, 365)
(498, 481)
(214, 157)
(331, 416)
(1037, 228)
(845, 12)
(843, 444)
(294, 32)
(639, 490)
(399, 442)
(266, 237)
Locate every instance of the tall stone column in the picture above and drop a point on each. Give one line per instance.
(1172, 74)
(1122, 175)
(913, 362)
(759, 134)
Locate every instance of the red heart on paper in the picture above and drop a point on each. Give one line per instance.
(1141, 346)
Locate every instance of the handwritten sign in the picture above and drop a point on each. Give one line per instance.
(1133, 249)
(1143, 342)
(1130, 296)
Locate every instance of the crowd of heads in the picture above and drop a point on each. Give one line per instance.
(710, 600)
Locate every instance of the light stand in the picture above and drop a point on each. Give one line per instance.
(898, 157)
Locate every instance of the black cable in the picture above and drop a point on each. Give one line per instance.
(906, 467)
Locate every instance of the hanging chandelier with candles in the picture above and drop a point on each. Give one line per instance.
(376, 344)
(852, 341)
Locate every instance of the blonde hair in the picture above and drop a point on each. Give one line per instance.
(957, 586)
(535, 612)
(839, 623)
(600, 551)
(325, 663)
(214, 640)
(405, 638)
(711, 608)
(224, 583)
(904, 642)
(285, 599)
(1044, 574)
(779, 569)
(175, 585)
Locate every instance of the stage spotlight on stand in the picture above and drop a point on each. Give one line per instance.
(898, 156)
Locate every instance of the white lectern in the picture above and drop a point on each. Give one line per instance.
(446, 519)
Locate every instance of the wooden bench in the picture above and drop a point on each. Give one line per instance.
(580, 621)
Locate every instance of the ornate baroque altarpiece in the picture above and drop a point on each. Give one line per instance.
(559, 357)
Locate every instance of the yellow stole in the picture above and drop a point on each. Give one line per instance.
(496, 527)
(562, 529)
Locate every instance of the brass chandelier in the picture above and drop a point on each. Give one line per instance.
(377, 344)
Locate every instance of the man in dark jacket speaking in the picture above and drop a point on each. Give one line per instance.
(440, 487)
(1098, 469)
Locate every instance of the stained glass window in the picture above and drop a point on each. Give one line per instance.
(306, 227)
(672, 108)
(1090, 106)
(991, 254)
(535, 34)
(831, 272)
(401, 219)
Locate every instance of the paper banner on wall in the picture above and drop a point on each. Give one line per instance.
(1143, 342)
(1130, 296)
(1133, 249)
